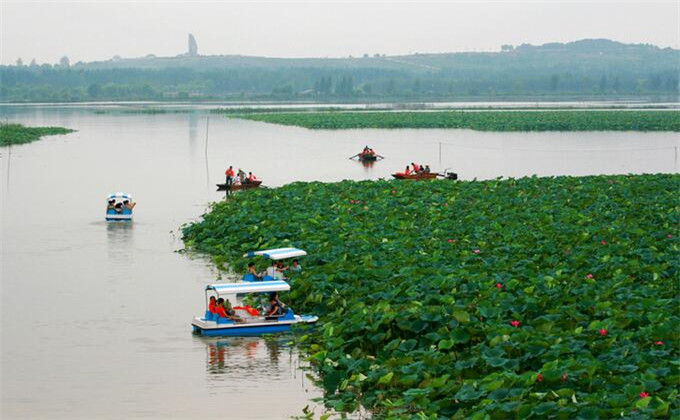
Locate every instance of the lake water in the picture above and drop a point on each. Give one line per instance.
(95, 316)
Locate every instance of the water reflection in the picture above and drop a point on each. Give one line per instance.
(120, 241)
(250, 357)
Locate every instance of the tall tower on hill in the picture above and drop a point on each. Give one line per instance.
(193, 46)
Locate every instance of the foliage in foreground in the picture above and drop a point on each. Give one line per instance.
(483, 120)
(542, 297)
(18, 134)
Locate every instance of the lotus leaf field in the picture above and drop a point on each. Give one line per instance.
(615, 120)
(19, 134)
(533, 297)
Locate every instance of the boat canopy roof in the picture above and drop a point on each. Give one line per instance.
(278, 253)
(119, 195)
(249, 287)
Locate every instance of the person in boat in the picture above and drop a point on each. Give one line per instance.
(281, 270)
(421, 170)
(128, 205)
(253, 272)
(118, 207)
(251, 178)
(275, 305)
(230, 175)
(212, 305)
(427, 169)
(111, 205)
(295, 267)
(366, 150)
(241, 176)
(224, 310)
(272, 270)
(407, 171)
(415, 168)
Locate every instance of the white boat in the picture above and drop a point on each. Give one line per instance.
(252, 321)
(116, 206)
(274, 255)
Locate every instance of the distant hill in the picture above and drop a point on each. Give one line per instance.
(588, 68)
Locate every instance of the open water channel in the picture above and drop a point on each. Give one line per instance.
(95, 315)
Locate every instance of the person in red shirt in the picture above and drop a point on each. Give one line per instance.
(415, 168)
(230, 175)
(251, 177)
(212, 306)
(407, 171)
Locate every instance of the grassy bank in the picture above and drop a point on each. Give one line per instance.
(483, 120)
(537, 296)
(18, 134)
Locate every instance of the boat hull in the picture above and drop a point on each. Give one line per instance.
(235, 187)
(368, 158)
(207, 328)
(118, 217)
(430, 175)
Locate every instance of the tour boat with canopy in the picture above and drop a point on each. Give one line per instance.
(275, 255)
(119, 206)
(251, 321)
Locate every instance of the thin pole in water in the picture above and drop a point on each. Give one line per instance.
(440, 154)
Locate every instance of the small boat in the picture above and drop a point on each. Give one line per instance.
(116, 209)
(367, 157)
(235, 187)
(429, 175)
(253, 321)
(274, 255)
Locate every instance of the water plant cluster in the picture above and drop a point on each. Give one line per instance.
(18, 133)
(612, 120)
(542, 297)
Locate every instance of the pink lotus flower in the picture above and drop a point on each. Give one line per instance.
(446, 204)
(564, 377)
(515, 323)
(603, 242)
(451, 241)
(476, 251)
(589, 276)
(669, 236)
(659, 343)
(644, 394)
(539, 378)
(499, 286)
(602, 332)
(394, 191)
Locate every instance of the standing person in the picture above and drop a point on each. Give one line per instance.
(230, 175)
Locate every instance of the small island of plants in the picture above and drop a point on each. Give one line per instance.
(18, 134)
(533, 297)
(583, 120)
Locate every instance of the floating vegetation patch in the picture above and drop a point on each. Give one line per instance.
(533, 297)
(18, 134)
(483, 120)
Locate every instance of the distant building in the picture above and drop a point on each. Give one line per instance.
(193, 46)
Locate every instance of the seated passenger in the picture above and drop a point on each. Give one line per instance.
(225, 310)
(296, 267)
(251, 178)
(280, 270)
(128, 205)
(271, 270)
(407, 171)
(427, 169)
(111, 205)
(212, 306)
(118, 207)
(275, 306)
(253, 272)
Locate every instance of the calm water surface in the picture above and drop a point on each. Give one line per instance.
(95, 315)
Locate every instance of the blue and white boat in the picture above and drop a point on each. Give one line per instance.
(252, 321)
(274, 255)
(119, 206)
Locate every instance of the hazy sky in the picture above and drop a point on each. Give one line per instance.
(97, 30)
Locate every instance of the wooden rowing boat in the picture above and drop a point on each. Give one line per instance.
(235, 187)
